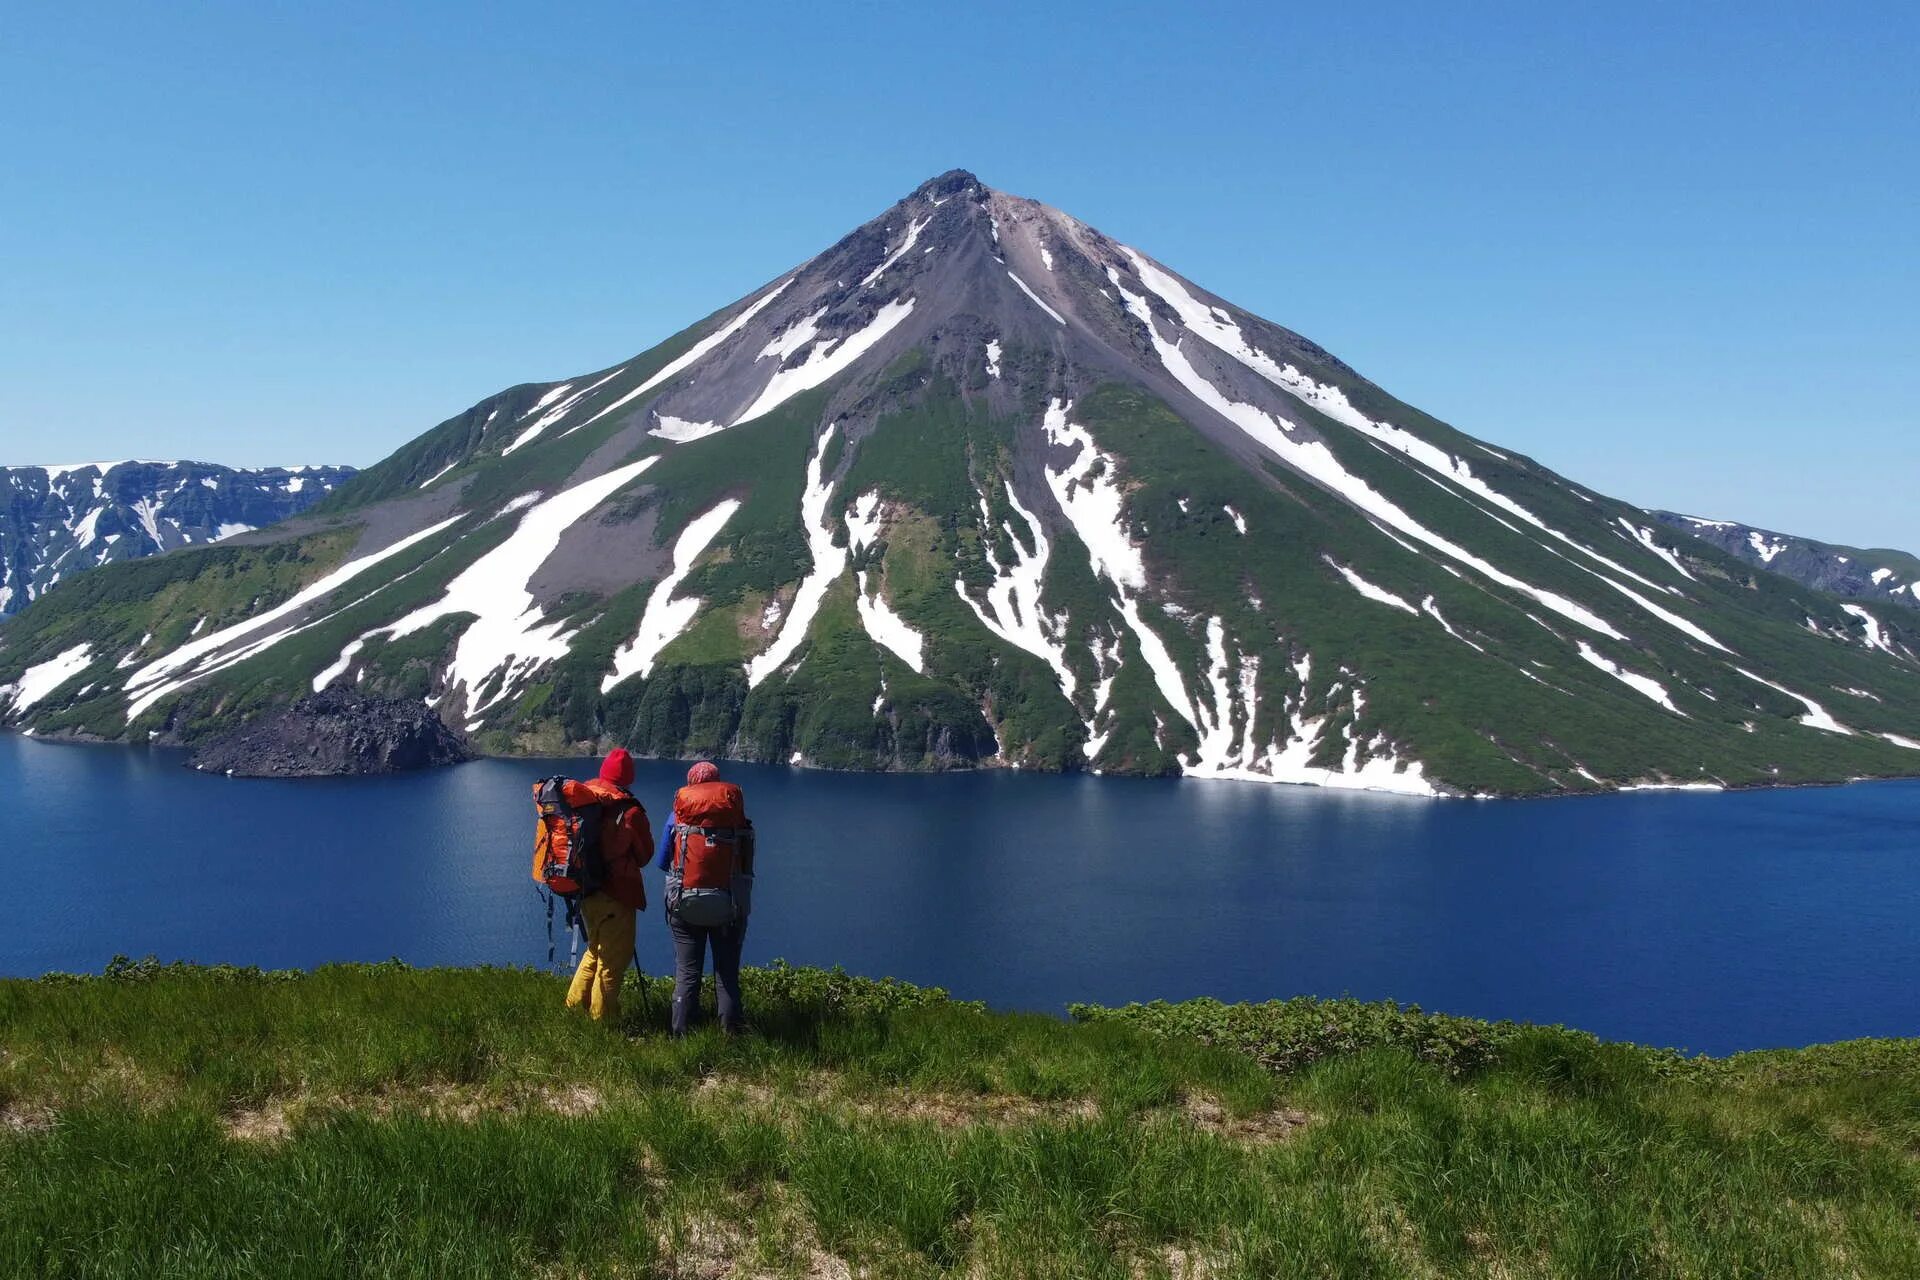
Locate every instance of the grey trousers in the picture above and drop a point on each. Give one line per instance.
(690, 943)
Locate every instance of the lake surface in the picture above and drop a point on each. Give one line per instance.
(1713, 922)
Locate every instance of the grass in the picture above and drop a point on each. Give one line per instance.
(379, 1120)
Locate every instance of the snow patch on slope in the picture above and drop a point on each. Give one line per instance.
(827, 360)
(1369, 590)
(887, 628)
(1011, 609)
(1646, 539)
(829, 561)
(913, 234)
(171, 672)
(692, 356)
(1644, 685)
(559, 411)
(509, 637)
(1876, 638)
(1816, 717)
(1315, 460)
(1089, 495)
(36, 682)
(665, 617)
(1216, 328)
(681, 431)
(1037, 300)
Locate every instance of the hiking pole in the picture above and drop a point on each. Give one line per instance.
(646, 992)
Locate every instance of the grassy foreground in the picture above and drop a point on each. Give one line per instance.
(380, 1120)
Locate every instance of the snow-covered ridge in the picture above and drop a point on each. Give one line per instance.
(70, 517)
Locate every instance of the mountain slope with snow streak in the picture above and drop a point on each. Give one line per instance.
(59, 521)
(978, 485)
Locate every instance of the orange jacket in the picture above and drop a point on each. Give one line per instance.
(627, 842)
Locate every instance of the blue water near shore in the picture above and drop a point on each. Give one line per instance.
(1713, 922)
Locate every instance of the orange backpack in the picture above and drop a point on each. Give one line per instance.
(710, 881)
(567, 854)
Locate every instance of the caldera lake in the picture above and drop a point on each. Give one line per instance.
(1712, 922)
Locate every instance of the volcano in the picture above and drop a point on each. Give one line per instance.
(979, 485)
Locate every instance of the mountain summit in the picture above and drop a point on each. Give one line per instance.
(978, 484)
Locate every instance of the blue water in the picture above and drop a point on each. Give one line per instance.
(1711, 922)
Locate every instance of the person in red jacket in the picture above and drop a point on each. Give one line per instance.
(607, 917)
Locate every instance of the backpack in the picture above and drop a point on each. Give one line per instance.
(568, 858)
(710, 881)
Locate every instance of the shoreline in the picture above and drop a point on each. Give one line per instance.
(1620, 789)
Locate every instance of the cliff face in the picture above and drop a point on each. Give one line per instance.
(333, 733)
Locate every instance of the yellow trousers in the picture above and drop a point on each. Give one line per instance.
(596, 984)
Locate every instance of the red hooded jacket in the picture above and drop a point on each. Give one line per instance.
(627, 841)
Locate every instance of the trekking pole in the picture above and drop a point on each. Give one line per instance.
(646, 991)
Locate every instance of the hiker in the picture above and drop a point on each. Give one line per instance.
(590, 849)
(707, 853)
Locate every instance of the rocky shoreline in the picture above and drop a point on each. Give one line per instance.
(333, 734)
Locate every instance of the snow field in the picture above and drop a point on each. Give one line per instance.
(36, 682)
(428, 482)
(682, 431)
(1088, 493)
(1645, 538)
(539, 425)
(1432, 610)
(508, 637)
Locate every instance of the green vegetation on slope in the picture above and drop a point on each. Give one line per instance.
(378, 1120)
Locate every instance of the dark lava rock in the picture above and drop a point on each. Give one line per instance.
(332, 733)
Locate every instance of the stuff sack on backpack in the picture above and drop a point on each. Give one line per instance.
(567, 854)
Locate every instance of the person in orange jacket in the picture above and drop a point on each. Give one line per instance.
(607, 917)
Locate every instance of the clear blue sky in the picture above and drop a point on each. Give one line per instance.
(1671, 250)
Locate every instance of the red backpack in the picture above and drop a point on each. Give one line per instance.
(710, 881)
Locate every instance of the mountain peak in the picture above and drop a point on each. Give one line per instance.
(979, 484)
(952, 182)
